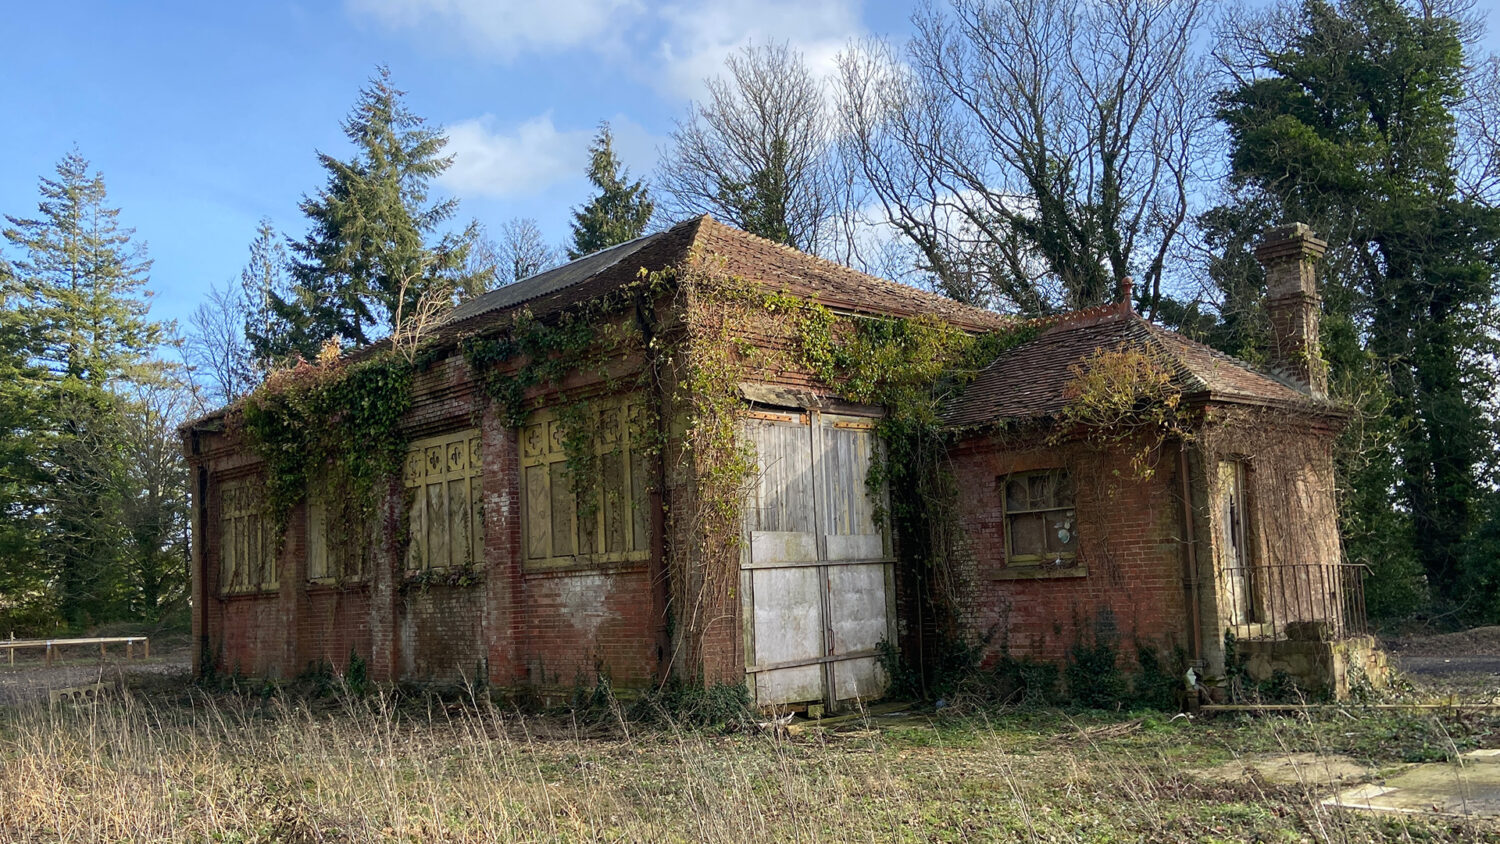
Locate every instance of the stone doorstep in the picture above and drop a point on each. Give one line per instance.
(1470, 788)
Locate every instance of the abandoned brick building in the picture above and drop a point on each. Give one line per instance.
(641, 464)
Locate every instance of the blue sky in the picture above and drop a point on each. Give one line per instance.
(204, 117)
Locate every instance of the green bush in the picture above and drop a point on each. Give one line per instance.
(1025, 681)
(1093, 670)
(696, 705)
(1157, 685)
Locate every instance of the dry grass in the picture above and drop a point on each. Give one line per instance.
(218, 767)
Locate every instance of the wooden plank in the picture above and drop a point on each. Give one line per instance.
(317, 540)
(562, 508)
(18, 644)
(416, 524)
(460, 534)
(821, 660)
(640, 507)
(538, 514)
(437, 527)
(616, 504)
(476, 520)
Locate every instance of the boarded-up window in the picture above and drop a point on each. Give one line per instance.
(445, 502)
(600, 516)
(340, 538)
(247, 544)
(1040, 523)
(317, 541)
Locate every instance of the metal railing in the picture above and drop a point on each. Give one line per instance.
(1295, 601)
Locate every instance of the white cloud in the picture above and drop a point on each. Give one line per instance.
(497, 161)
(698, 36)
(507, 27)
(676, 45)
(494, 160)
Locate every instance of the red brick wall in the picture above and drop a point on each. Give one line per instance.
(438, 634)
(551, 628)
(1129, 534)
(578, 623)
(334, 624)
(252, 635)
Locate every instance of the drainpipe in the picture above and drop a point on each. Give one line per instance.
(1194, 603)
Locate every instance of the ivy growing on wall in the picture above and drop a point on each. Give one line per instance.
(330, 426)
(909, 366)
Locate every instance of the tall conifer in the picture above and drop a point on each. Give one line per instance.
(1349, 124)
(81, 293)
(620, 211)
(373, 248)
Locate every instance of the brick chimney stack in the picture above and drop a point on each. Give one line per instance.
(1288, 253)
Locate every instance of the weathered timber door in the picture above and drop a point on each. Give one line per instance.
(817, 579)
(1234, 554)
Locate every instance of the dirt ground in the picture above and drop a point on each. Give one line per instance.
(1464, 664)
(30, 680)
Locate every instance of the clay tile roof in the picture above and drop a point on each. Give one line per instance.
(1028, 382)
(779, 267)
(730, 251)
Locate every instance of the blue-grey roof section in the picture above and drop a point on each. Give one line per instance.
(551, 281)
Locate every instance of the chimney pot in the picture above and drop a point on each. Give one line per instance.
(1289, 254)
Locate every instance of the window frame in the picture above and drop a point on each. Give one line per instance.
(1059, 559)
(418, 473)
(242, 516)
(618, 433)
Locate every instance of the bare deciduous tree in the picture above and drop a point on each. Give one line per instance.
(483, 266)
(1033, 152)
(216, 349)
(759, 154)
(522, 251)
(415, 319)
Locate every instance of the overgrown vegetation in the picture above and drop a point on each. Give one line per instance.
(1123, 399)
(330, 429)
(385, 767)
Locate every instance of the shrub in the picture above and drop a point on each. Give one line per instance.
(1093, 671)
(1157, 685)
(1025, 681)
(697, 705)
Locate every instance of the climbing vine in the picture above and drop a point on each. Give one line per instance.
(523, 353)
(332, 427)
(909, 366)
(1123, 399)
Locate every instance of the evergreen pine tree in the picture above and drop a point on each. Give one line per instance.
(373, 248)
(621, 210)
(264, 282)
(20, 579)
(81, 291)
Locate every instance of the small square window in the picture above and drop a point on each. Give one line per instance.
(1041, 524)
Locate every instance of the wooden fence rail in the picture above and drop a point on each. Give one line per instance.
(13, 644)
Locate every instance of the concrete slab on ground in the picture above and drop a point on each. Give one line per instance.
(1310, 769)
(1469, 787)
